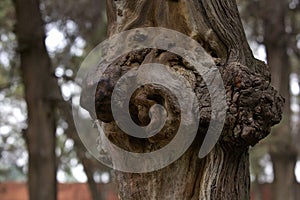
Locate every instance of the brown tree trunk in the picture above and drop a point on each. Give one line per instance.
(43, 96)
(256, 191)
(88, 163)
(282, 150)
(37, 74)
(224, 172)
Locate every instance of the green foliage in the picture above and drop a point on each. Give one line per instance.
(6, 15)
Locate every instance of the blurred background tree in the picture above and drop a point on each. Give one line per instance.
(71, 32)
(274, 26)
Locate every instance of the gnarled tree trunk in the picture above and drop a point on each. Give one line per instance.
(253, 105)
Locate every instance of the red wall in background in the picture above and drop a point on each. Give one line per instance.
(73, 191)
(266, 192)
(80, 191)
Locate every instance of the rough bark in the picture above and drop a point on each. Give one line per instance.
(36, 74)
(253, 105)
(282, 148)
(249, 118)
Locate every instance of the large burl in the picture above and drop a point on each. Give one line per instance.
(253, 107)
(253, 104)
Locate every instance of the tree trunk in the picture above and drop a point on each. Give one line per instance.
(37, 74)
(88, 163)
(283, 149)
(256, 191)
(253, 105)
(43, 96)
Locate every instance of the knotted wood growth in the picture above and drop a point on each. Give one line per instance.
(253, 104)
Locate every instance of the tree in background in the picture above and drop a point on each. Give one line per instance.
(36, 73)
(276, 26)
(36, 67)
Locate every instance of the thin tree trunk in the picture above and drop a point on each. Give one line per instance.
(89, 167)
(257, 192)
(224, 172)
(282, 150)
(36, 75)
(43, 96)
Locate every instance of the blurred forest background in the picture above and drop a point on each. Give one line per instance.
(71, 30)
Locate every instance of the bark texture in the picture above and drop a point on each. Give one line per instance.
(253, 105)
(36, 74)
